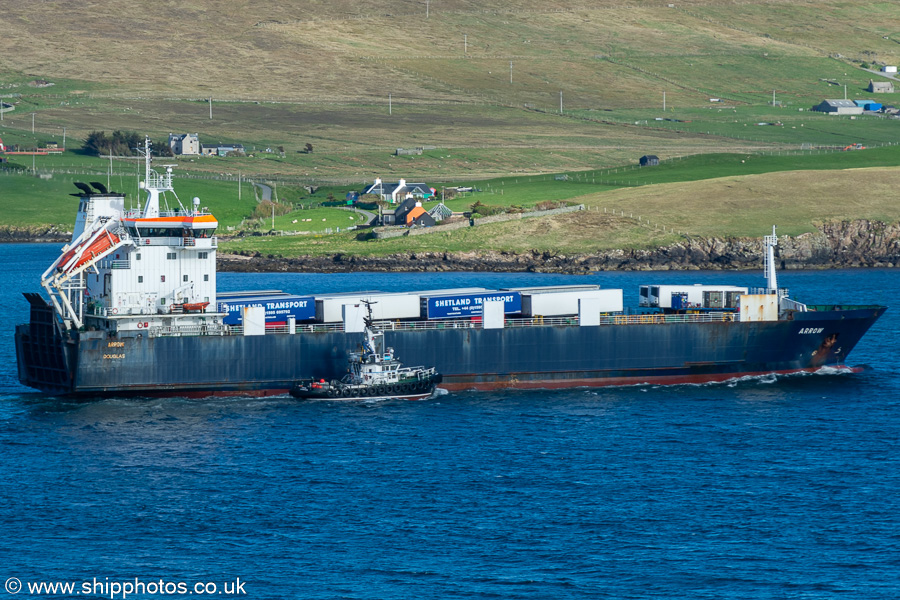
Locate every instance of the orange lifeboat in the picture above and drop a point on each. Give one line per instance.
(194, 306)
(97, 248)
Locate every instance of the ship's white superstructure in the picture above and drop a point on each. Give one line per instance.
(133, 269)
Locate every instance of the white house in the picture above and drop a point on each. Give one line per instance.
(397, 192)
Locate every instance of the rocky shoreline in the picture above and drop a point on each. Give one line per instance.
(22, 235)
(847, 244)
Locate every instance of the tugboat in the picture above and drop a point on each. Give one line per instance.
(374, 373)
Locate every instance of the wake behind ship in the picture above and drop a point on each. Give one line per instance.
(131, 307)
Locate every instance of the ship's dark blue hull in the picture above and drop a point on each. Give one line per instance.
(468, 358)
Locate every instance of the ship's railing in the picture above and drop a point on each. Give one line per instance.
(188, 330)
(176, 240)
(115, 264)
(782, 292)
(645, 319)
(572, 321)
(788, 304)
(300, 328)
(831, 307)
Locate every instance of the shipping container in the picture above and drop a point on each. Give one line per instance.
(565, 302)
(458, 306)
(682, 297)
(278, 308)
(385, 306)
(551, 288)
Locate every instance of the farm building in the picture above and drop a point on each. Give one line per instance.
(409, 213)
(396, 192)
(221, 149)
(839, 107)
(387, 217)
(397, 216)
(419, 217)
(649, 160)
(870, 105)
(881, 87)
(184, 143)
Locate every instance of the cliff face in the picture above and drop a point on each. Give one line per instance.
(846, 244)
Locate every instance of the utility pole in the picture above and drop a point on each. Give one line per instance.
(239, 186)
(560, 102)
(664, 101)
(390, 104)
(510, 71)
(64, 138)
(32, 114)
(210, 107)
(426, 9)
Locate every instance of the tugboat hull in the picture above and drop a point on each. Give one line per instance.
(335, 390)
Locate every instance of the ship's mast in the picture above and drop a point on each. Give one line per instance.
(155, 183)
(374, 339)
(771, 278)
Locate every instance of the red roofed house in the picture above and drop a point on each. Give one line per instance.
(419, 216)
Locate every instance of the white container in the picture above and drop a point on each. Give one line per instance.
(560, 303)
(759, 307)
(660, 296)
(385, 306)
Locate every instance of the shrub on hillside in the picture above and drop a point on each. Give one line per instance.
(551, 204)
(485, 210)
(120, 143)
(263, 210)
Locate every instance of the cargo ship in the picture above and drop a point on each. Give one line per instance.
(131, 308)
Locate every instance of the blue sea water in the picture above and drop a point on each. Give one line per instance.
(770, 487)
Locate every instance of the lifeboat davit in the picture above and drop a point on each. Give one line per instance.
(98, 248)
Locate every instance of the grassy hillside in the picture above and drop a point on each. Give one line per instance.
(644, 217)
(485, 80)
(500, 96)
